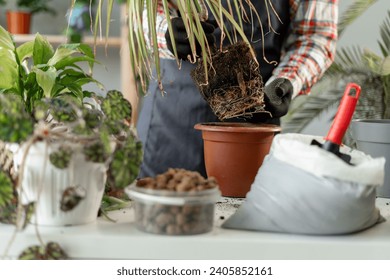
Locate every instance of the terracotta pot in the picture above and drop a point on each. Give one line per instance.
(18, 22)
(234, 153)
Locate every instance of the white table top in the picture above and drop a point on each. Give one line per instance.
(121, 240)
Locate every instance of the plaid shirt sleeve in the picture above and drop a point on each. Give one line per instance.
(311, 44)
(161, 28)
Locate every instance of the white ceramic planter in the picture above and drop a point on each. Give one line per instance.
(373, 138)
(44, 183)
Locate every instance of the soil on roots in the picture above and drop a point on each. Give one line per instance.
(235, 87)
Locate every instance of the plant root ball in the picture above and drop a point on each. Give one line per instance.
(235, 86)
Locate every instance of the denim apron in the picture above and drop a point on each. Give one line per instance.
(166, 122)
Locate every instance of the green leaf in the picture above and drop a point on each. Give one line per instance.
(83, 49)
(59, 56)
(6, 40)
(80, 80)
(87, 80)
(25, 51)
(8, 214)
(16, 125)
(43, 50)
(70, 72)
(77, 91)
(51, 251)
(9, 67)
(61, 157)
(6, 189)
(9, 71)
(384, 42)
(372, 61)
(62, 109)
(69, 61)
(95, 152)
(46, 79)
(116, 107)
(125, 163)
(385, 68)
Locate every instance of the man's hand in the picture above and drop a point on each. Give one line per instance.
(181, 38)
(277, 97)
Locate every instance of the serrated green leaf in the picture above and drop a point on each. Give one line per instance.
(16, 125)
(6, 189)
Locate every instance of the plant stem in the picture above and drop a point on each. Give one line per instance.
(204, 14)
(19, 209)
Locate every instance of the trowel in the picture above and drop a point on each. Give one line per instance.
(341, 122)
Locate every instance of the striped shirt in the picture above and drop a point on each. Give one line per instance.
(309, 49)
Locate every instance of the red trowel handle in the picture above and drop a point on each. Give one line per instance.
(344, 114)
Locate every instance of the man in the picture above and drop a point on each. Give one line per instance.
(302, 41)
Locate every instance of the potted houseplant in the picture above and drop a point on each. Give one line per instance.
(372, 72)
(19, 19)
(211, 75)
(62, 134)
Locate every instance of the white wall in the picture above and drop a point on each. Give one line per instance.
(365, 30)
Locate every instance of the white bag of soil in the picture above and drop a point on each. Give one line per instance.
(302, 188)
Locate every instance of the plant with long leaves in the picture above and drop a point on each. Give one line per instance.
(143, 58)
(352, 64)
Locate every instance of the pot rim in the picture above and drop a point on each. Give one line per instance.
(373, 121)
(168, 197)
(237, 127)
(18, 11)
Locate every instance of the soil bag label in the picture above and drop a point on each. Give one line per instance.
(304, 189)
